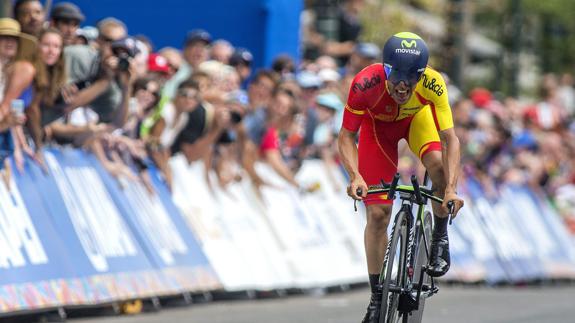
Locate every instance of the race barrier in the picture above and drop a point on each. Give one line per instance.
(76, 236)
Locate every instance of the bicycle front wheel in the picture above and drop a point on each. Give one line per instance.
(423, 244)
(393, 273)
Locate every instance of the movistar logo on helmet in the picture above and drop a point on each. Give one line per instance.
(408, 44)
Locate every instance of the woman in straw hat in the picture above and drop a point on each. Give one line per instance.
(38, 83)
(11, 40)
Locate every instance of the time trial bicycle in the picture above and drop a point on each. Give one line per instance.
(404, 280)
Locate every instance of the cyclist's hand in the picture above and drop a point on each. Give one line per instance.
(358, 182)
(457, 202)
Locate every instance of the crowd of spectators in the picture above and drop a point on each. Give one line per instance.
(133, 105)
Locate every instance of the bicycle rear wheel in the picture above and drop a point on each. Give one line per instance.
(423, 248)
(393, 272)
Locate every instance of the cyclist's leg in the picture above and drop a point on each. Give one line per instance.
(376, 164)
(375, 236)
(425, 143)
(377, 160)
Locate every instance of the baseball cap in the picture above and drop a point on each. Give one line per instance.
(88, 32)
(241, 56)
(197, 35)
(368, 50)
(329, 75)
(67, 10)
(329, 100)
(405, 58)
(308, 80)
(158, 63)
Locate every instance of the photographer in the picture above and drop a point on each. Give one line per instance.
(100, 79)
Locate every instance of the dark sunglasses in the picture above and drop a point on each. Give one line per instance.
(105, 39)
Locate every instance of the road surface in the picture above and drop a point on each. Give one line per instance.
(451, 305)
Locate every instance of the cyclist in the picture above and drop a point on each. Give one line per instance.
(401, 98)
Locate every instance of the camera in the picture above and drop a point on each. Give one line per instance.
(124, 49)
(123, 62)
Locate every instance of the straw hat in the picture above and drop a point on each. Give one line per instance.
(11, 27)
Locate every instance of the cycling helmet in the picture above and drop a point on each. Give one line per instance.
(405, 57)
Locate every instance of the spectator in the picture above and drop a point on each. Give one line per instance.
(346, 36)
(330, 79)
(30, 14)
(363, 55)
(349, 29)
(86, 36)
(221, 51)
(196, 51)
(10, 40)
(260, 90)
(174, 59)
(158, 68)
(242, 61)
(326, 62)
(66, 17)
(263, 138)
(310, 84)
(204, 127)
(328, 106)
(145, 96)
(45, 77)
(284, 66)
(95, 76)
(175, 114)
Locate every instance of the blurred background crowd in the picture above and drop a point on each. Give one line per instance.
(134, 106)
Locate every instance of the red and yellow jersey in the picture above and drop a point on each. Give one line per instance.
(368, 95)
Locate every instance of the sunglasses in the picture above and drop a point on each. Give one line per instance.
(188, 94)
(411, 79)
(105, 39)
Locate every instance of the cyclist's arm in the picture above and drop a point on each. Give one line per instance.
(348, 152)
(450, 152)
(352, 119)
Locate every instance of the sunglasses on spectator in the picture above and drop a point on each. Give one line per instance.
(188, 94)
(105, 39)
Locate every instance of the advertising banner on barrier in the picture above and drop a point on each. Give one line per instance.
(301, 232)
(551, 238)
(514, 251)
(161, 232)
(33, 257)
(332, 211)
(106, 250)
(245, 222)
(200, 209)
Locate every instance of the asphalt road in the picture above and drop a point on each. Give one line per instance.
(451, 305)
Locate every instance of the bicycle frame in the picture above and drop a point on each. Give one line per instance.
(409, 195)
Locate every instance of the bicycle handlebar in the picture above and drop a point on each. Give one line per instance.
(415, 189)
